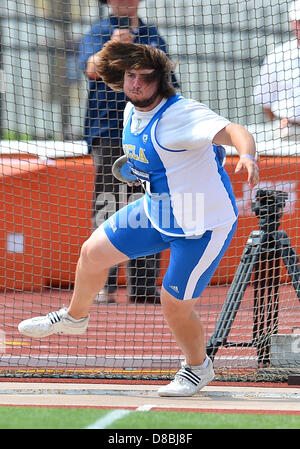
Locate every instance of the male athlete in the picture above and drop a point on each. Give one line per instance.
(188, 205)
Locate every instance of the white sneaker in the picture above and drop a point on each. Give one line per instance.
(187, 382)
(59, 322)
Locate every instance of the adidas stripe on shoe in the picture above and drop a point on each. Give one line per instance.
(58, 322)
(188, 381)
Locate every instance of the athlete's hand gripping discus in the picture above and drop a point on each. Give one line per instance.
(122, 171)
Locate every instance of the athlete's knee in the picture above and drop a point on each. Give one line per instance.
(85, 253)
(91, 254)
(175, 310)
(99, 253)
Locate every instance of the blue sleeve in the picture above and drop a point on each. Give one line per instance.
(153, 36)
(163, 46)
(91, 43)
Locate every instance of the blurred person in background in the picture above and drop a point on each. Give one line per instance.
(278, 87)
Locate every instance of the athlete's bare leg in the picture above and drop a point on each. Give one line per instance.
(96, 257)
(185, 326)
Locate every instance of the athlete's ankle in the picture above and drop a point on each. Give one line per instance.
(202, 365)
(76, 316)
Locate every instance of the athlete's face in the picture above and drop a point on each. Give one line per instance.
(141, 87)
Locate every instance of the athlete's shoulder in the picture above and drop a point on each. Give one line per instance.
(187, 107)
(188, 124)
(188, 103)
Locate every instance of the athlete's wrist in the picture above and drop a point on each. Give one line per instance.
(248, 156)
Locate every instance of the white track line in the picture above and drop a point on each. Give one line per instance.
(111, 417)
(145, 407)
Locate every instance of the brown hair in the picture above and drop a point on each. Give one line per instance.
(117, 57)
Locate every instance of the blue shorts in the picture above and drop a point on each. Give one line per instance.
(193, 260)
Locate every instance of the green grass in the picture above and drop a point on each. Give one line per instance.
(79, 418)
(198, 420)
(47, 418)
